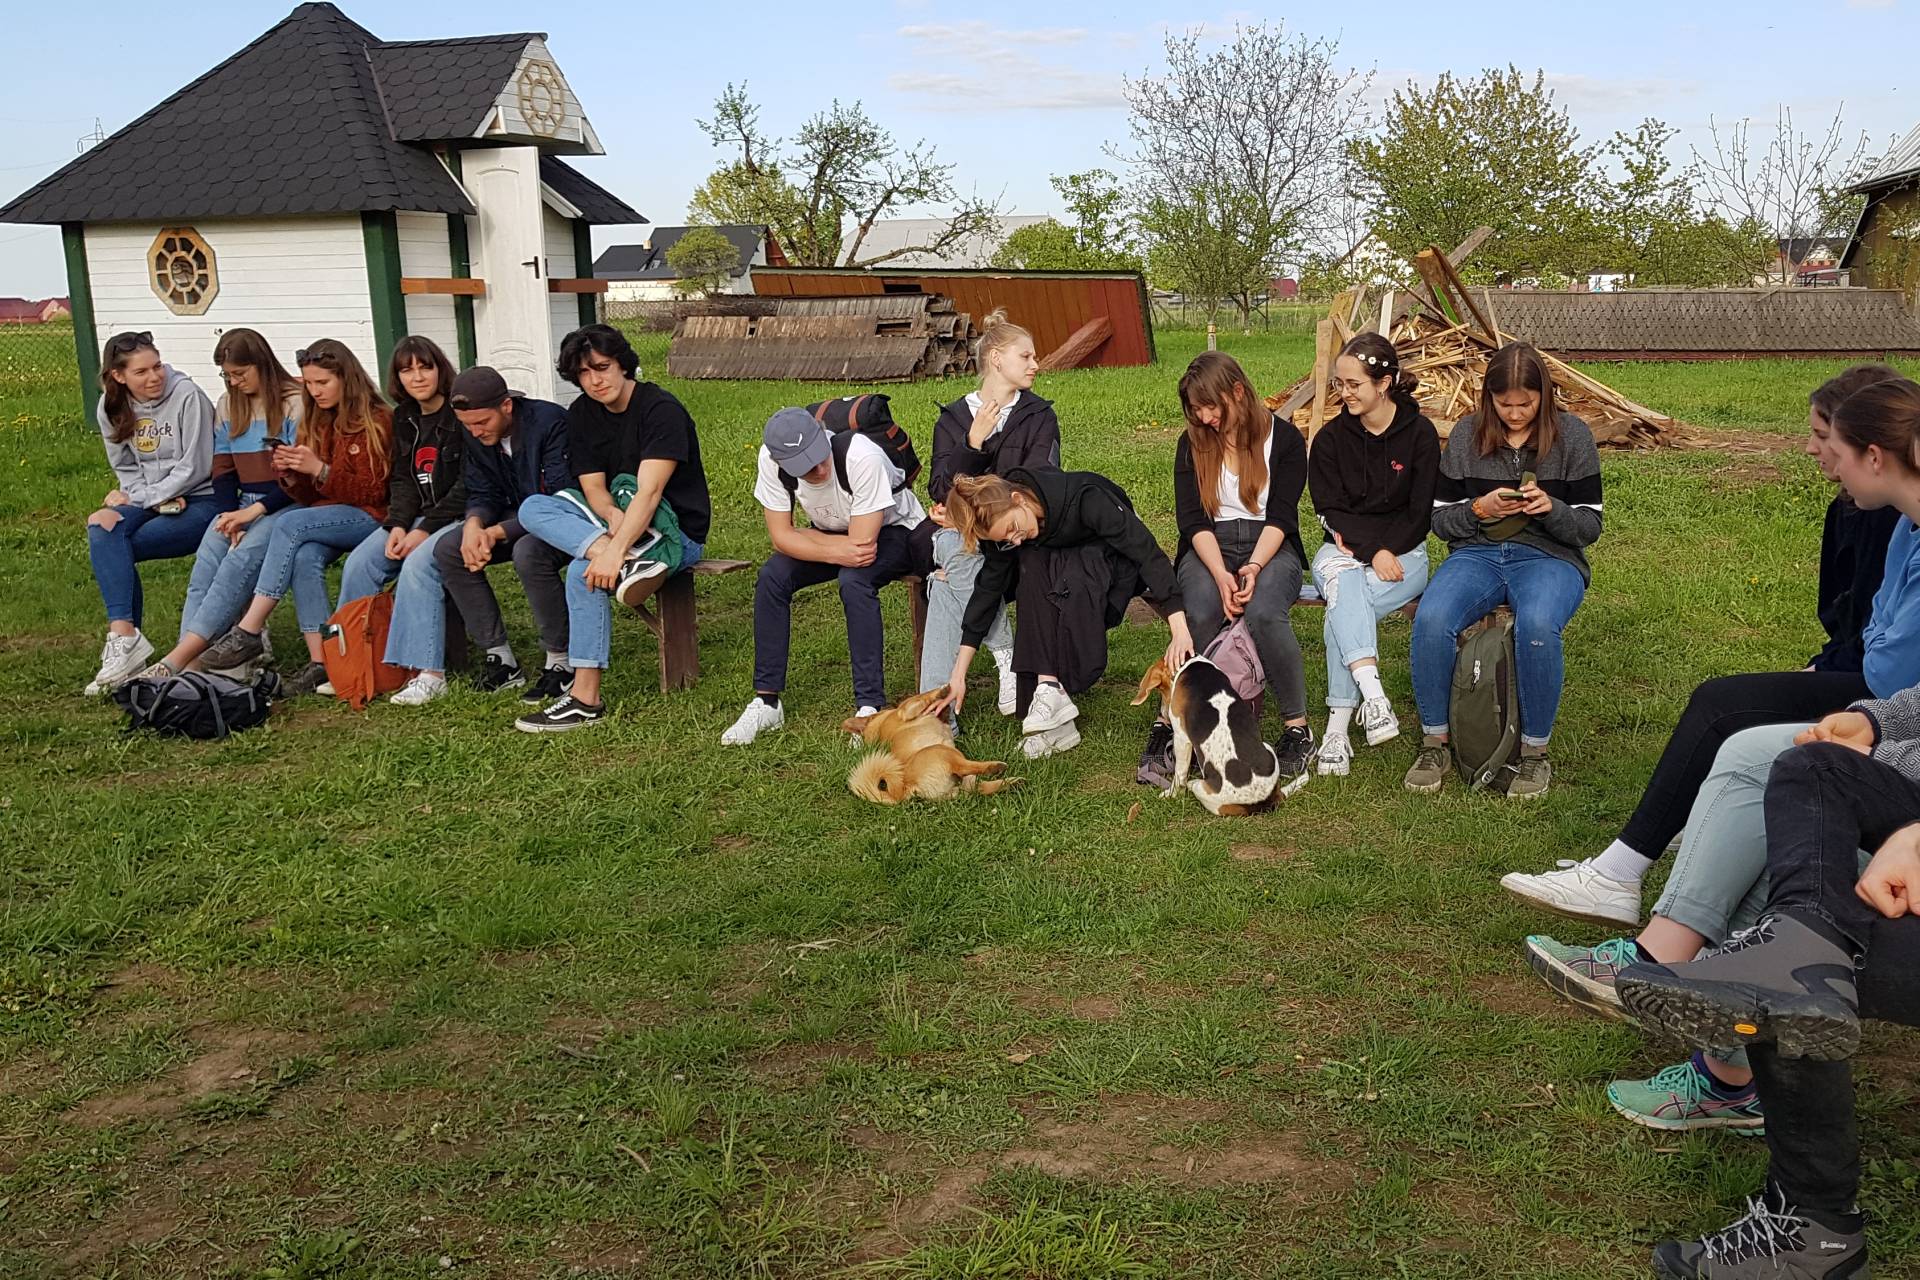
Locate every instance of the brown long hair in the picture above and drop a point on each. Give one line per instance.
(115, 400)
(360, 410)
(1831, 394)
(247, 348)
(1516, 367)
(1885, 414)
(415, 349)
(1217, 380)
(975, 502)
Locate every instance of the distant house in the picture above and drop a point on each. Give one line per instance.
(27, 311)
(1877, 254)
(915, 234)
(1799, 256)
(641, 273)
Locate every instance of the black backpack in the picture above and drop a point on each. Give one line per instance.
(872, 417)
(1484, 718)
(197, 704)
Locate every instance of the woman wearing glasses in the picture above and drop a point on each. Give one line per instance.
(158, 430)
(1101, 557)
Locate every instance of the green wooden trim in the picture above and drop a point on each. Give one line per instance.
(460, 253)
(381, 233)
(583, 267)
(86, 342)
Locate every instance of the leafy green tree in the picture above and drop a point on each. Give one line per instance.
(1660, 234)
(1096, 238)
(705, 261)
(1493, 150)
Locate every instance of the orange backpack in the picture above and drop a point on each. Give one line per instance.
(351, 645)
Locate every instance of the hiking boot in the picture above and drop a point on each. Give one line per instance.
(1579, 891)
(1296, 751)
(759, 717)
(1430, 767)
(1050, 709)
(1775, 1241)
(553, 682)
(1685, 1096)
(497, 674)
(236, 648)
(419, 691)
(1037, 746)
(1532, 775)
(311, 679)
(1779, 981)
(1156, 762)
(563, 716)
(121, 659)
(1335, 757)
(1584, 975)
(628, 589)
(1379, 722)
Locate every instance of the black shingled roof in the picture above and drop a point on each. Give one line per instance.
(294, 124)
(649, 261)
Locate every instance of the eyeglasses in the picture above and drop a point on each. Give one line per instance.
(125, 342)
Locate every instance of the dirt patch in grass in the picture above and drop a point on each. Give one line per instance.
(1261, 852)
(802, 1064)
(229, 1058)
(144, 1218)
(141, 979)
(1517, 995)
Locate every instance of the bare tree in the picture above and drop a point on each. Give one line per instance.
(1785, 184)
(841, 167)
(1238, 157)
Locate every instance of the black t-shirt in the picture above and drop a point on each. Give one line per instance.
(655, 425)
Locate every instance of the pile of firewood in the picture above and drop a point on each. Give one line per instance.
(895, 337)
(1444, 335)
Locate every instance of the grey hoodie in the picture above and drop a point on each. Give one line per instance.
(170, 453)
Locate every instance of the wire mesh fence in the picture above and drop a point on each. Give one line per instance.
(39, 375)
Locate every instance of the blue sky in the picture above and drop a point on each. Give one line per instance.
(1010, 92)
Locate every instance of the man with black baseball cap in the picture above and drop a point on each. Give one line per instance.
(862, 513)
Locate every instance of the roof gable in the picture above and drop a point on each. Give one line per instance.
(537, 105)
(648, 260)
(434, 90)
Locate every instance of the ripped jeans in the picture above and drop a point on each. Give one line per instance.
(1357, 599)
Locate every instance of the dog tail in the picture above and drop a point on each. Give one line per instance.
(879, 777)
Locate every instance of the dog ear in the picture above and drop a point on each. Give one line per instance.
(1156, 678)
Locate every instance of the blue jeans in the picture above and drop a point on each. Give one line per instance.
(221, 587)
(1543, 593)
(417, 636)
(305, 541)
(1356, 601)
(948, 591)
(565, 527)
(142, 535)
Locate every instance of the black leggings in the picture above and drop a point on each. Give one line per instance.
(1719, 709)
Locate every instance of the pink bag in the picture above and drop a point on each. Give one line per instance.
(1233, 652)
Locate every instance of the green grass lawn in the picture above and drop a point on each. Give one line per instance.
(405, 993)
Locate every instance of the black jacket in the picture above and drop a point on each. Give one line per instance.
(1376, 491)
(498, 484)
(1853, 559)
(1030, 439)
(1078, 508)
(1286, 477)
(426, 484)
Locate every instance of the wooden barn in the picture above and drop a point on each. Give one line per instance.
(323, 182)
(1884, 251)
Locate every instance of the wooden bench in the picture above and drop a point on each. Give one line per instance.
(1409, 609)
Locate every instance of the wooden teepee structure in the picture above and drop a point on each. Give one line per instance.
(1444, 336)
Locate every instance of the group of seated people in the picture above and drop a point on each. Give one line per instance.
(1795, 796)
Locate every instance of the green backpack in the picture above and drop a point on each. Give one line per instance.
(1485, 714)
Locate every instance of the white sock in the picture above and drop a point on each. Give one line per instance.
(1338, 718)
(1620, 861)
(504, 652)
(556, 658)
(1368, 678)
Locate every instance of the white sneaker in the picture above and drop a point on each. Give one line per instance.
(419, 691)
(324, 688)
(1377, 718)
(1579, 891)
(758, 718)
(121, 659)
(860, 713)
(1065, 737)
(1050, 708)
(1335, 758)
(1009, 682)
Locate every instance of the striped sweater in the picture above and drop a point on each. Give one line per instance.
(1570, 475)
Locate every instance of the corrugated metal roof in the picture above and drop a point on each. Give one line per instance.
(1900, 163)
(916, 233)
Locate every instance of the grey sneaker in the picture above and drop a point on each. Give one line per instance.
(311, 678)
(1777, 982)
(1430, 767)
(1531, 778)
(236, 648)
(1775, 1241)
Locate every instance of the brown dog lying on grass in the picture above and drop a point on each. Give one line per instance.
(931, 773)
(906, 728)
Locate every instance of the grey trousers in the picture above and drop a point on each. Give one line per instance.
(539, 567)
(1268, 614)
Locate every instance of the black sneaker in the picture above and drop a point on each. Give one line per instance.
(496, 675)
(1774, 1241)
(1780, 982)
(553, 682)
(563, 716)
(309, 679)
(628, 590)
(1297, 750)
(1156, 762)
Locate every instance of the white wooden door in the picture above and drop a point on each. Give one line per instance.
(512, 326)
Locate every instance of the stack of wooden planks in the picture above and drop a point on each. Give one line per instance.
(1444, 334)
(893, 337)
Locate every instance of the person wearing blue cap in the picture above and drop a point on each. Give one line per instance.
(861, 517)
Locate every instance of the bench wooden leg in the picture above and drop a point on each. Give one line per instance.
(678, 631)
(917, 610)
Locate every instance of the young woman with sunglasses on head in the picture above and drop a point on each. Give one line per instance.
(158, 430)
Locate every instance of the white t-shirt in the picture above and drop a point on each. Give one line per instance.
(1230, 505)
(830, 508)
(1006, 411)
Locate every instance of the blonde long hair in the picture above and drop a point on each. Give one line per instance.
(975, 502)
(996, 332)
(361, 409)
(1244, 430)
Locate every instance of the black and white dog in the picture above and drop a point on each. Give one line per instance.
(1236, 771)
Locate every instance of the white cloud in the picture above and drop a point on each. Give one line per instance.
(996, 68)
